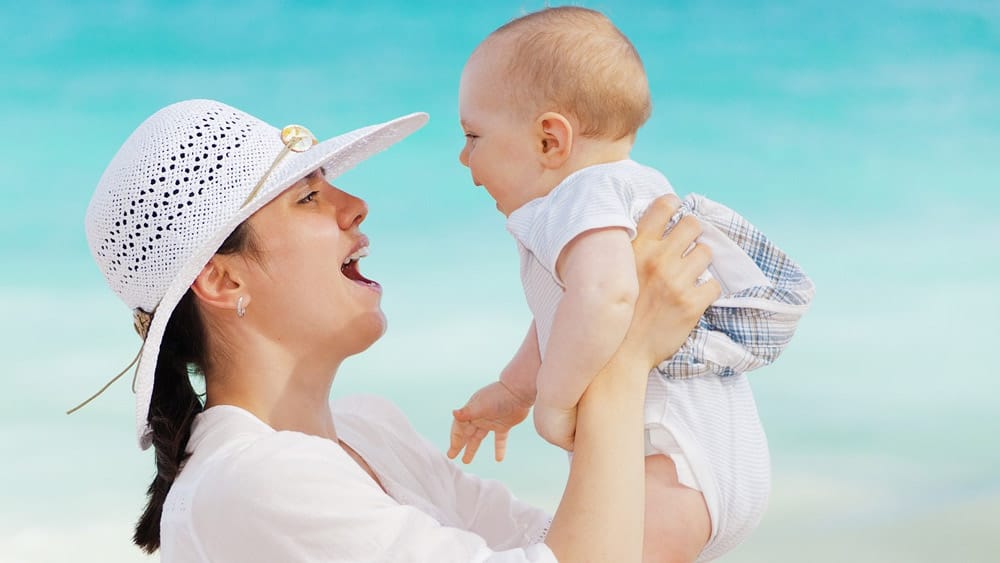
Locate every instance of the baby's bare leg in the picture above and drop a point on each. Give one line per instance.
(677, 520)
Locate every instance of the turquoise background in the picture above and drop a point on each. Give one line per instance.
(864, 137)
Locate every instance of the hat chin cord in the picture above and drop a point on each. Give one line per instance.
(134, 362)
(140, 321)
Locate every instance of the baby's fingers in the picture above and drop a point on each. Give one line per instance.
(499, 444)
(459, 437)
(472, 446)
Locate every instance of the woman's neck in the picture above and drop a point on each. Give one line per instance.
(277, 386)
(287, 396)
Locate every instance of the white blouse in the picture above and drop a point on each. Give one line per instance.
(251, 493)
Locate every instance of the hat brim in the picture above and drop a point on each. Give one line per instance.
(335, 156)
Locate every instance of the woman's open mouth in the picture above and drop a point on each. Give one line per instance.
(350, 268)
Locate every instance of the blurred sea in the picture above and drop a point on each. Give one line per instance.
(862, 136)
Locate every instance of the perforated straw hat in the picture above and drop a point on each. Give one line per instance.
(180, 184)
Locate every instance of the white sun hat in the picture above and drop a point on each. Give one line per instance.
(179, 186)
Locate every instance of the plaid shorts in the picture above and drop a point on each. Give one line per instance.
(751, 325)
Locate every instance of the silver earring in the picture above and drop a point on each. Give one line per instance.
(241, 309)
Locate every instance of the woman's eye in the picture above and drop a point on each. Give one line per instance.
(309, 198)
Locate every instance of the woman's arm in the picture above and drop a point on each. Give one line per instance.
(600, 517)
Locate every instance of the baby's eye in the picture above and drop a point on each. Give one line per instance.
(309, 198)
(471, 136)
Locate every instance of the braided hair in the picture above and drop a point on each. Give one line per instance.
(175, 403)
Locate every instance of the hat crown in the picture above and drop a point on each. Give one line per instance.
(178, 178)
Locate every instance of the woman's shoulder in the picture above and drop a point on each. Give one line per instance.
(365, 420)
(376, 428)
(371, 409)
(265, 495)
(249, 455)
(231, 445)
(239, 454)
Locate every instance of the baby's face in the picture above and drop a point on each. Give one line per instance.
(500, 145)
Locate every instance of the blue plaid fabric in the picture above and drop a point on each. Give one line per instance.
(750, 327)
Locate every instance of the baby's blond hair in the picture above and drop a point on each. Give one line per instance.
(575, 61)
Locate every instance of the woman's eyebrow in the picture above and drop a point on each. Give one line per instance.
(308, 179)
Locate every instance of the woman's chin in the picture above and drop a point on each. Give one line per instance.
(367, 329)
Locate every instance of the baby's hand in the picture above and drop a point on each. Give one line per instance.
(556, 426)
(493, 408)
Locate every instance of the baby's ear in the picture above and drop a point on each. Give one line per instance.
(555, 139)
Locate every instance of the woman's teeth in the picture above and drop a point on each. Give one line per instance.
(360, 253)
(350, 268)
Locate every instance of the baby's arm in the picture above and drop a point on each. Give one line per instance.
(521, 373)
(598, 272)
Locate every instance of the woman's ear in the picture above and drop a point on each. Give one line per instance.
(219, 284)
(555, 139)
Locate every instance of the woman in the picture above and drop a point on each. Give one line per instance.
(240, 262)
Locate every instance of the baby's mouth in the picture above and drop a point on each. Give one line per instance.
(350, 268)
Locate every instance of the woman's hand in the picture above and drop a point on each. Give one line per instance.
(671, 300)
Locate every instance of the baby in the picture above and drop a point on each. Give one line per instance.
(550, 104)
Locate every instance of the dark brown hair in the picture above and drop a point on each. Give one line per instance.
(174, 403)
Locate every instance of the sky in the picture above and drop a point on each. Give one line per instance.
(861, 136)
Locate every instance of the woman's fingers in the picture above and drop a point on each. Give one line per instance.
(654, 222)
(712, 289)
(653, 249)
(685, 232)
(695, 261)
(671, 297)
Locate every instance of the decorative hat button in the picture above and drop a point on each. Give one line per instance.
(297, 138)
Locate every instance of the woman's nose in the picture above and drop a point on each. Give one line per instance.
(351, 210)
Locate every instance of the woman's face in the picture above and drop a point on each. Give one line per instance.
(307, 291)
